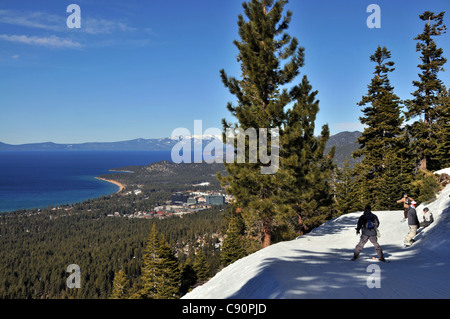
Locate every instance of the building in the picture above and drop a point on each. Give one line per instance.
(215, 200)
(179, 198)
(192, 201)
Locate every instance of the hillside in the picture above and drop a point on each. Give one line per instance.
(345, 143)
(139, 144)
(318, 264)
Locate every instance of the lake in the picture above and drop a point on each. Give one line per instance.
(31, 180)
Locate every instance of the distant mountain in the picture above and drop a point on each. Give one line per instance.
(139, 144)
(345, 143)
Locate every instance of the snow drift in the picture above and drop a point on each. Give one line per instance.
(317, 265)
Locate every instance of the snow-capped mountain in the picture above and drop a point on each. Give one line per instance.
(318, 265)
(139, 144)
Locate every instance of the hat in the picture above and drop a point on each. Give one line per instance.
(413, 203)
(425, 209)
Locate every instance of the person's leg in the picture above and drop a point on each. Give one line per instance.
(374, 241)
(360, 245)
(412, 233)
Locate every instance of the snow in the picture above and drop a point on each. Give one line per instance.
(443, 171)
(318, 265)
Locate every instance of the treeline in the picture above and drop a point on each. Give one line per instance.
(168, 176)
(38, 247)
(404, 141)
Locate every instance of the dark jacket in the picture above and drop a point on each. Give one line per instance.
(362, 221)
(412, 217)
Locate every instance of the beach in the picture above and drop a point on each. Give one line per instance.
(121, 186)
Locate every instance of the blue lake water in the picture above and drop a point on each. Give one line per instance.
(43, 179)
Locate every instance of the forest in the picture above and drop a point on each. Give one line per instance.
(403, 143)
(39, 245)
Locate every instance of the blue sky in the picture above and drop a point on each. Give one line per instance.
(143, 68)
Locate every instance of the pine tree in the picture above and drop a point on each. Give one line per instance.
(201, 267)
(270, 58)
(150, 273)
(120, 285)
(345, 192)
(423, 105)
(383, 134)
(160, 275)
(443, 113)
(188, 277)
(170, 281)
(232, 249)
(302, 155)
(396, 181)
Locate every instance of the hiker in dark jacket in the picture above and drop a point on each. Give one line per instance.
(413, 223)
(369, 232)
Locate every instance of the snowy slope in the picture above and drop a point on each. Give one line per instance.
(318, 265)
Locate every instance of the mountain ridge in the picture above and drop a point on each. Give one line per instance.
(153, 144)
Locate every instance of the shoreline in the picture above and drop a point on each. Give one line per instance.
(121, 186)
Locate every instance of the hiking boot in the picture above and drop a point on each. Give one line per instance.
(355, 257)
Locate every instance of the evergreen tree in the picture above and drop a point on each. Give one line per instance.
(443, 112)
(396, 181)
(232, 249)
(151, 271)
(169, 271)
(302, 155)
(270, 58)
(160, 275)
(423, 105)
(383, 134)
(201, 267)
(345, 192)
(120, 285)
(188, 277)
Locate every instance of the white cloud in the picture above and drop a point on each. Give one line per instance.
(15, 56)
(103, 26)
(47, 21)
(50, 41)
(33, 19)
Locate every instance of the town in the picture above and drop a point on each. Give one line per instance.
(180, 204)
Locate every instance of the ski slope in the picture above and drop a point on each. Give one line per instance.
(318, 265)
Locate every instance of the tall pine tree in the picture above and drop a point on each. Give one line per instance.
(382, 135)
(443, 113)
(302, 155)
(160, 275)
(424, 131)
(270, 58)
(120, 285)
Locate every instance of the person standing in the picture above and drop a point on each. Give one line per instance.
(368, 223)
(413, 223)
(406, 203)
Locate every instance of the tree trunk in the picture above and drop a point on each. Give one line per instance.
(423, 164)
(301, 226)
(266, 236)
